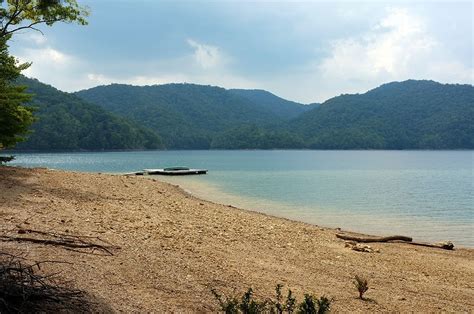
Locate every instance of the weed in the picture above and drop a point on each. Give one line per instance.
(362, 286)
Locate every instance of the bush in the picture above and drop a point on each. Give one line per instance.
(248, 305)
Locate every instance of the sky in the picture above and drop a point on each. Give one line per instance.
(306, 51)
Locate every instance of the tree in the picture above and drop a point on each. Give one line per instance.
(15, 118)
(16, 15)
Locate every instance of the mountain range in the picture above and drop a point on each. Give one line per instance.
(399, 115)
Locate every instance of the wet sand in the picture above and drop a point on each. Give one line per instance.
(175, 247)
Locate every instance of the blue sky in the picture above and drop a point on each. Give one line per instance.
(304, 51)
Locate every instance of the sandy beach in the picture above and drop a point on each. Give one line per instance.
(171, 249)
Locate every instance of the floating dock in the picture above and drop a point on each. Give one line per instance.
(175, 171)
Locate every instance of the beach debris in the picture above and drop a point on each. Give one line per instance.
(360, 247)
(68, 241)
(447, 245)
(24, 289)
(370, 239)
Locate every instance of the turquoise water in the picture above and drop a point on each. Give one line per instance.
(424, 194)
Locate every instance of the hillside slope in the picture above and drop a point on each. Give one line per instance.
(285, 109)
(398, 115)
(186, 115)
(66, 122)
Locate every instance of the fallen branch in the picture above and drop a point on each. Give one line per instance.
(397, 238)
(58, 239)
(24, 290)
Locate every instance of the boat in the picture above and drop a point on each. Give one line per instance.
(175, 171)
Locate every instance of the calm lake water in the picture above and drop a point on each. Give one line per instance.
(424, 194)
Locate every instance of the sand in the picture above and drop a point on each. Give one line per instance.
(174, 248)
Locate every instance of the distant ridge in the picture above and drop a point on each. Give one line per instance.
(411, 114)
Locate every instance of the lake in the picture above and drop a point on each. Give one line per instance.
(424, 194)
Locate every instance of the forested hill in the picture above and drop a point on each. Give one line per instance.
(67, 122)
(283, 108)
(187, 116)
(399, 115)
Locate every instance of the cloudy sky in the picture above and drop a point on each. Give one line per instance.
(306, 51)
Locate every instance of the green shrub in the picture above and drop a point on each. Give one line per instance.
(227, 305)
(248, 305)
(307, 306)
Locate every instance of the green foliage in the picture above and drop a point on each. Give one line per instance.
(69, 123)
(227, 305)
(16, 15)
(362, 286)
(248, 305)
(324, 305)
(15, 118)
(308, 306)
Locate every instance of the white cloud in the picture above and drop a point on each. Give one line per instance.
(390, 49)
(398, 47)
(206, 56)
(45, 61)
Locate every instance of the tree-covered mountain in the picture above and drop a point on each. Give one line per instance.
(283, 108)
(67, 122)
(399, 115)
(187, 116)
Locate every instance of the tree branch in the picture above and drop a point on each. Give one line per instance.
(30, 26)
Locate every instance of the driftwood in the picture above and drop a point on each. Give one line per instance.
(68, 241)
(374, 239)
(398, 238)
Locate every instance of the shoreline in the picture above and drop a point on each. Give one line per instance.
(175, 247)
(195, 189)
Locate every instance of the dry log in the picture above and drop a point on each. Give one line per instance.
(442, 245)
(374, 239)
